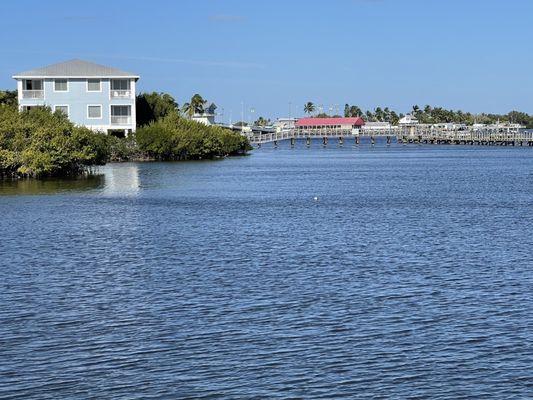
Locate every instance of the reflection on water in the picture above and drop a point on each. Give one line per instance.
(111, 180)
(121, 180)
(52, 186)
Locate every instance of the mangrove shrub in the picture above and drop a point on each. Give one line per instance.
(39, 143)
(177, 138)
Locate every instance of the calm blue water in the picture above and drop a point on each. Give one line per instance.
(410, 277)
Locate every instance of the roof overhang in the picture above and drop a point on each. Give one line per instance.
(136, 77)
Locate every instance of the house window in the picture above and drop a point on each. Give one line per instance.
(94, 112)
(121, 111)
(93, 85)
(33, 84)
(60, 85)
(120, 84)
(63, 109)
(120, 115)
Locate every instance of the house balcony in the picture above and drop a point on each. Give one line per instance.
(120, 94)
(120, 120)
(33, 94)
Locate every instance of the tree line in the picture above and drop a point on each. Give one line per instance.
(428, 115)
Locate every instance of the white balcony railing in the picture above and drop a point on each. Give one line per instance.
(33, 94)
(120, 93)
(120, 120)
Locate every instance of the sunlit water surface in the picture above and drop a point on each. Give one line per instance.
(409, 276)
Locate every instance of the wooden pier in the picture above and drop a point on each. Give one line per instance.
(490, 136)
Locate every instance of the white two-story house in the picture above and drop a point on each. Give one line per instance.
(98, 97)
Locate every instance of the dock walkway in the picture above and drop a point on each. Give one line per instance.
(414, 134)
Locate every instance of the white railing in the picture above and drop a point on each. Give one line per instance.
(415, 135)
(120, 120)
(33, 94)
(120, 93)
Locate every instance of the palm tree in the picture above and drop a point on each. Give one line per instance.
(309, 108)
(262, 122)
(198, 103)
(187, 109)
(386, 114)
(195, 106)
(378, 112)
(355, 111)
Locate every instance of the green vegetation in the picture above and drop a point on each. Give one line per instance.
(168, 134)
(262, 122)
(176, 138)
(153, 106)
(195, 106)
(39, 143)
(437, 115)
(8, 97)
(309, 108)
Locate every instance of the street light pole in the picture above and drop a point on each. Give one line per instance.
(252, 110)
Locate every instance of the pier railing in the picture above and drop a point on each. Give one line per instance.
(418, 134)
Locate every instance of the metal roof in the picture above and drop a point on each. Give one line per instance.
(311, 121)
(75, 69)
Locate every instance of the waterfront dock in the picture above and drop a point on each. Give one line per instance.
(489, 136)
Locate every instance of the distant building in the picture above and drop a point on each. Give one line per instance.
(92, 95)
(408, 120)
(341, 124)
(207, 117)
(283, 124)
(450, 126)
(377, 126)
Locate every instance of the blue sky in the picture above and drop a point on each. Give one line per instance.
(476, 55)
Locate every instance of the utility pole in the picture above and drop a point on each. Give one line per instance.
(290, 104)
(242, 117)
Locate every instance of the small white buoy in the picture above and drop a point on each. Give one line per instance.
(315, 198)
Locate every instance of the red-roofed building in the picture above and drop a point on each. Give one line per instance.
(330, 123)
